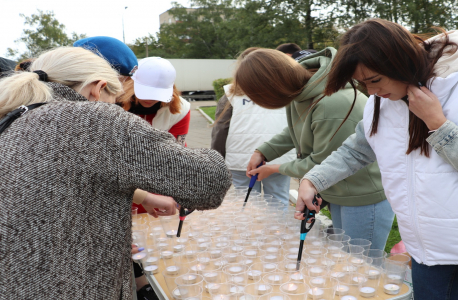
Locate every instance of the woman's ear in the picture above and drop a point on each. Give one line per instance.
(97, 88)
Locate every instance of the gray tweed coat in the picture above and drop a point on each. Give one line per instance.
(68, 170)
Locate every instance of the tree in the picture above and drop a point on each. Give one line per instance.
(45, 33)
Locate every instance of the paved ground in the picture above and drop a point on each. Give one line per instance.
(199, 135)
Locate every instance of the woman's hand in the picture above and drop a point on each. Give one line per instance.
(425, 105)
(264, 171)
(254, 162)
(305, 198)
(135, 249)
(166, 205)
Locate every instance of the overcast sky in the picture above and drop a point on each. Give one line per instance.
(92, 17)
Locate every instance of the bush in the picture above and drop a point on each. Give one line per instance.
(218, 86)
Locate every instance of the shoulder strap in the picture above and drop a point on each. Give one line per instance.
(6, 121)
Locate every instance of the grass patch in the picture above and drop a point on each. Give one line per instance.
(394, 236)
(210, 111)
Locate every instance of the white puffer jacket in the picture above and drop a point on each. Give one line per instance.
(250, 126)
(423, 192)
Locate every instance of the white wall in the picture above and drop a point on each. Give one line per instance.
(198, 74)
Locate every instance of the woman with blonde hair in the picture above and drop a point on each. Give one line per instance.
(69, 170)
(272, 79)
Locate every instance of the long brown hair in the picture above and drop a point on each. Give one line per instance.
(128, 97)
(270, 78)
(389, 49)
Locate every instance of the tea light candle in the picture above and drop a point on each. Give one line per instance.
(333, 248)
(349, 269)
(232, 258)
(290, 288)
(172, 270)
(315, 252)
(269, 267)
(262, 289)
(272, 249)
(327, 263)
(367, 291)
(190, 253)
(391, 289)
(237, 290)
(394, 278)
(177, 294)
(250, 253)
(356, 261)
(215, 253)
(167, 254)
(237, 279)
(275, 279)
(203, 246)
(182, 240)
(237, 249)
(254, 274)
(212, 287)
(162, 245)
(318, 281)
(271, 258)
(210, 276)
(204, 260)
(342, 290)
(235, 269)
(152, 260)
(316, 270)
(293, 250)
(348, 297)
(357, 279)
(373, 274)
(337, 275)
(296, 276)
(197, 268)
(221, 297)
(247, 262)
(171, 233)
(310, 261)
(153, 269)
(338, 255)
(290, 267)
(189, 279)
(139, 256)
(221, 263)
(316, 291)
(178, 248)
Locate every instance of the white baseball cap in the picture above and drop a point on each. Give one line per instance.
(154, 79)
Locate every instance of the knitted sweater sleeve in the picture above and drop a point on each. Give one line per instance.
(153, 161)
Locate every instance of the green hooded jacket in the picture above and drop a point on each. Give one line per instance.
(311, 133)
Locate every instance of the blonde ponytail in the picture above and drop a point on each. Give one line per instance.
(22, 88)
(74, 67)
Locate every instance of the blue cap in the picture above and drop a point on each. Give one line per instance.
(118, 54)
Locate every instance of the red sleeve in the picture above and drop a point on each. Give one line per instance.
(180, 129)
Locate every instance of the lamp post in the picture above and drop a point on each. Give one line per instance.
(123, 36)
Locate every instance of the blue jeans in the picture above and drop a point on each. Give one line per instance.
(371, 222)
(438, 282)
(276, 184)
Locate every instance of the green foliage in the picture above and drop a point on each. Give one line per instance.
(209, 110)
(45, 33)
(218, 85)
(394, 236)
